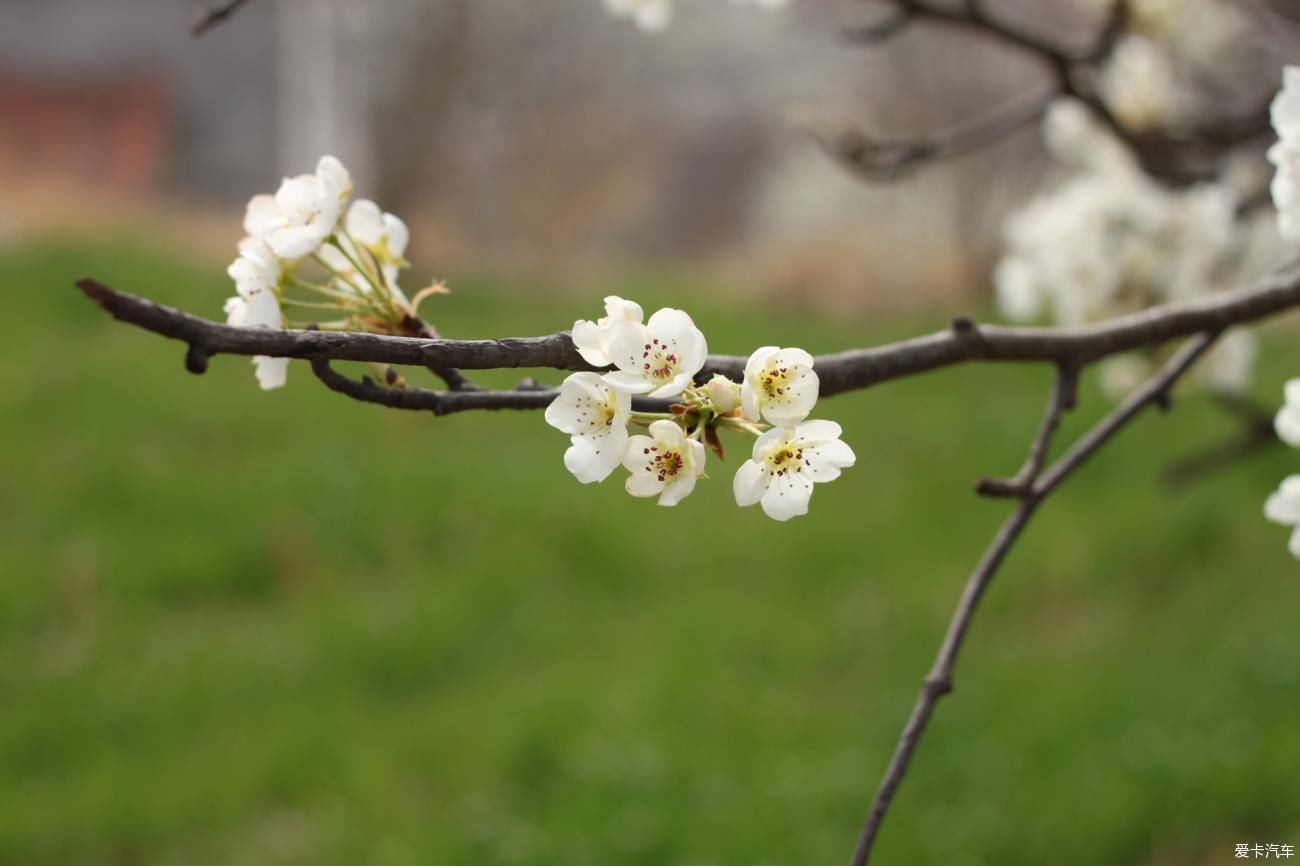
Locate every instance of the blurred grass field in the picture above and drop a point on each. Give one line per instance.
(248, 628)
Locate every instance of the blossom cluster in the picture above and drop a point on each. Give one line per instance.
(307, 251)
(1284, 505)
(1140, 82)
(654, 16)
(1109, 240)
(660, 357)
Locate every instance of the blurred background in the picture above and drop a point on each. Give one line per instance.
(281, 628)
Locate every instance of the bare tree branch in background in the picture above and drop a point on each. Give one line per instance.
(1177, 157)
(216, 15)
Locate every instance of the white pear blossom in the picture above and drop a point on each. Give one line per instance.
(1074, 137)
(257, 276)
(1138, 83)
(1284, 111)
(1015, 284)
(723, 393)
(780, 385)
(1285, 188)
(592, 338)
(1120, 375)
(1287, 421)
(786, 462)
(595, 415)
(1227, 366)
(385, 235)
(665, 464)
(303, 212)
(1283, 506)
(660, 357)
(652, 16)
(381, 235)
(1285, 155)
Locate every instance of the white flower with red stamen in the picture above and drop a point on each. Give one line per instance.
(1283, 506)
(592, 338)
(257, 278)
(786, 462)
(595, 416)
(664, 464)
(304, 211)
(780, 385)
(660, 357)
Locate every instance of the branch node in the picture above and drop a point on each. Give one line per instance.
(965, 327)
(196, 358)
(938, 686)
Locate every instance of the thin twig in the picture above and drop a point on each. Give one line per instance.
(1064, 392)
(526, 395)
(216, 15)
(939, 681)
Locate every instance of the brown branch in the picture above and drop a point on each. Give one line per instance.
(964, 342)
(216, 15)
(939, 681)
(1063, 396)
(526, 395)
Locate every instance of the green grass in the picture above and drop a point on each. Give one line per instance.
(247, 628)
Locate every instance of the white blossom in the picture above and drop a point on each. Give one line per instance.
(257, 276)
(660, 357)
(592, 338)
(383, 234)
(1227, 366)
(780, 385)
(665, 464)
(1137, 83)
(303, 212)
(595, 415)
(369, 232)
(652, 16)
(1120, 375)
(1287, 421)
(1074, 137)
(1283, 506)
(724, 394)
(1015, 285)
(1285, 188)
(786, 462)
(1285, 155)
(1284, 111)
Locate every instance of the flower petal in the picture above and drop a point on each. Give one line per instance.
(750, 483)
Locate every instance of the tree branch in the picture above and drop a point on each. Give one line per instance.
(939, 681)
(526, 395)
(216, 15)
(1178, 157)
(965, 341)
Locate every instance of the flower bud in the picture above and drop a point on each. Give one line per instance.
(723, 393)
